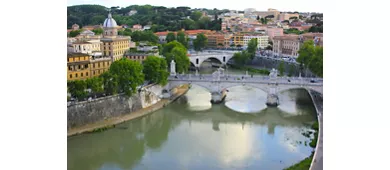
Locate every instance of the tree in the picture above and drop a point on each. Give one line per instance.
(155, 70)
(258, 18)
(129, 75)
(110, 83)
(98, 31)
(311, 57)
(306, 52)
(293, 18)
(74, 33)
(238, 45)
(200, 42)
(263, 20)
(182, 38)
(176, 51)
(196, 15)
(241, 58)
(281, 68)
(77, 89)
(171, 37)
(290, 70)
(252, 46)
(95, 84)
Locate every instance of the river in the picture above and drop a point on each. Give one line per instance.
(191, 133)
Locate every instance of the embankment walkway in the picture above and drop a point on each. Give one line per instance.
(317, 162)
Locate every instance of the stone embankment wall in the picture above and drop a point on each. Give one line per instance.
(86, 112)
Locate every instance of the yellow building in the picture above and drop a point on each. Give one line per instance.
(78, 66)
(238, 39)
(113, 46)
(100, 65)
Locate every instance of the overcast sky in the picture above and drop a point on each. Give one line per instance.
(259, 5)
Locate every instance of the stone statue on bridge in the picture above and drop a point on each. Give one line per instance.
(273, 73)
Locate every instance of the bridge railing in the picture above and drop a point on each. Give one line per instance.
(244, 79)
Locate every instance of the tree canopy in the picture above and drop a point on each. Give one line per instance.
(160, 18)
(182, 38)
(177, 52)
(252, 46)
(241, 58)
(74, 33)
(281, 68)
(311, 57)
(155, 70)
(128, 75)
(171, 37)
(200, 42)
(98, 31)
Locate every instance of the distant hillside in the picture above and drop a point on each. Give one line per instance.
(161, 18)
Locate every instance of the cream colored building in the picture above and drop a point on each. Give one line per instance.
(87, 47)
(113, 46)
(262, 40)
(287, 45)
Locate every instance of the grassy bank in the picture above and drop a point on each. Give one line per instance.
(305, 164)
(250, 69)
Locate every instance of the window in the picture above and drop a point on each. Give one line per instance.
(93, 65)
(76, 75)
(86, 74)
(69, 68)
(81, 74)
(93, 72)
(86, 66)
(79, 67)
(70, 76)
(98, 64)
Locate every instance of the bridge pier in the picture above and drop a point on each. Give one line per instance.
(218, 97)
(272, 100)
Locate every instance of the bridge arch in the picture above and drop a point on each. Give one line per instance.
(262, 87)
(197, 60)
(307, 88)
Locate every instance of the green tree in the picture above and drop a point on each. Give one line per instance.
(155, 70)
(95, 84)
(110, 83)
(98, 31)
(311, 57)
(200, 42)
(74, 33)
(176, 51)
(182, 38)
(241, 58)
(196, 15)
(258, 18)
(77, 89)
(263, 20)
(281, 68)
(129, 75)
(252, 46)
(306, 52)
(170, 37)
(290, 70)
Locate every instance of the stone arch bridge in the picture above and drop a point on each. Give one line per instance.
(217, 83)
(198, 58)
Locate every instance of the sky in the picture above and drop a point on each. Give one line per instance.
(259, 5)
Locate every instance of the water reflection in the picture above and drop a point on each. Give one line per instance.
(181, 137)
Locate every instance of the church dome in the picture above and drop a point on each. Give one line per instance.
(109, 22)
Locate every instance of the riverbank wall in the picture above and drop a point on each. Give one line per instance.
(104, 112)
(317, 161)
